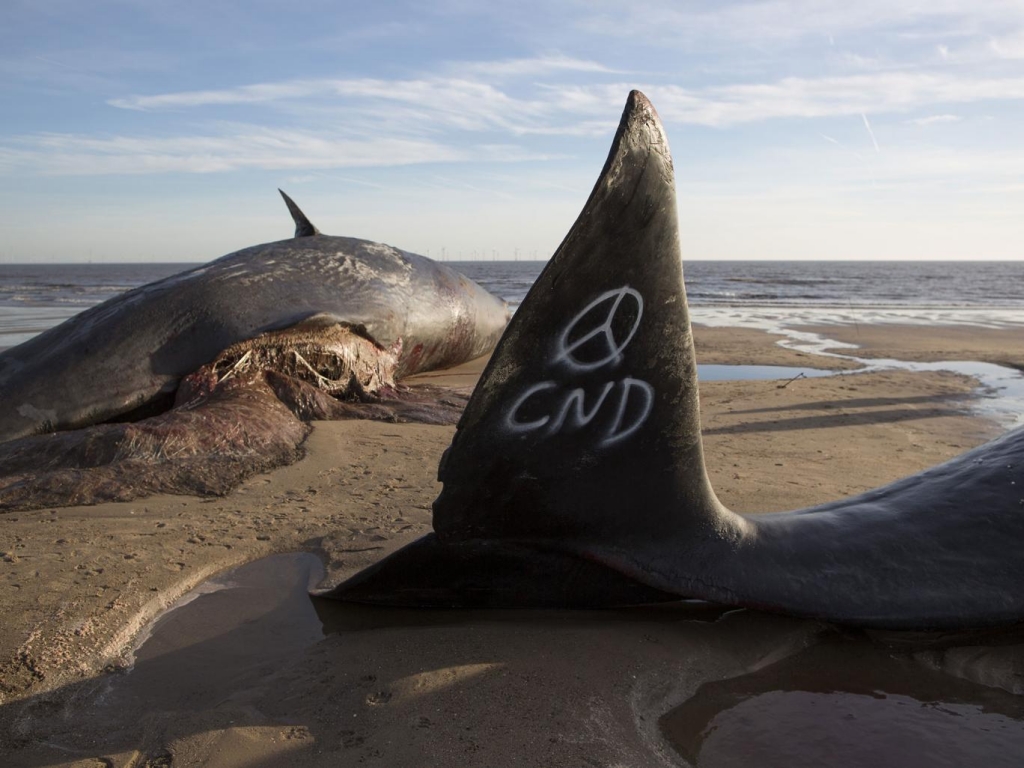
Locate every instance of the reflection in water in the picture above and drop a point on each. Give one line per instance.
(337, 616)
(847, 703)
(843, 702)
(715, 372)
(231, 631)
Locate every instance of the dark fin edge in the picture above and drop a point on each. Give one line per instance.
(303, 226)
(482, 574)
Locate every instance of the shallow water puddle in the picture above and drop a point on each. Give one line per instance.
(846, 703)
(842, 702)
(1002, 388)
(233, 630)
(228, 633)
(1001, 391)
(711, 372)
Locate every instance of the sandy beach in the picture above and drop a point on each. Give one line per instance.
(928, 343)
(503, 385)
(81, 585)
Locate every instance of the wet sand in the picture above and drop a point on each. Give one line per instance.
(931, 343)
(79, 584)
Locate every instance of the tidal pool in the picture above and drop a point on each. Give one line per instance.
(847, 700)
(224, 635)
(757, 372)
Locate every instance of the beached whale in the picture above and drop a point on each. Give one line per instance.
(576, 476)
(127, 356)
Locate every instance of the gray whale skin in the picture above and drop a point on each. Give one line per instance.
(576, 476)
(129, 353)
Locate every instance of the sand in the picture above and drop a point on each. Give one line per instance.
(528, 688)
(930, 343)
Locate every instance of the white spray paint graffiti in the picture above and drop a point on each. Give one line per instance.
(571, 412)
(614, 347)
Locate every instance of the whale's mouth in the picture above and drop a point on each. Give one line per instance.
(341, 361)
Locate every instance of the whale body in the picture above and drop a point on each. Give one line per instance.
(576, 476)
(127, 355)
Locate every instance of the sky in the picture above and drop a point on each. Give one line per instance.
(160, 130)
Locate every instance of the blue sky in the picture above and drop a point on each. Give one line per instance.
(135, 130)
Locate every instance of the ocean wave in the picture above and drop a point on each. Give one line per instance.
(746, 288)
(781, 281)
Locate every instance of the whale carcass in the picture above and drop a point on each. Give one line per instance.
(577, 476)
(212, 374)
(131, 352)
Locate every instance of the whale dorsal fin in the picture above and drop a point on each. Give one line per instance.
(303, 226)
(585, 425)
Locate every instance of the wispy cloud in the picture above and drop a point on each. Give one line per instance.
(244, 94)
(474, 105)
(460, 103)
(922, 167)
(935, 119)
(472, 82)
(1008, 46)
(540, 65)
(68, 154)
(400, 122)
(794, 20)
(889, 92)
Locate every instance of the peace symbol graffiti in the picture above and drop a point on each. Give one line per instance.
(609, 348)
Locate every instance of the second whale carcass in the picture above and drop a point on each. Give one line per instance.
(217, 361)
(131, 352)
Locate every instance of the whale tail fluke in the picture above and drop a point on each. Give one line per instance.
(583, 434)
(303, 226)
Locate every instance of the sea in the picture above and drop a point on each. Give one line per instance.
(773, 295)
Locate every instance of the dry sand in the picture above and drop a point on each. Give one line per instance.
(554, 688)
